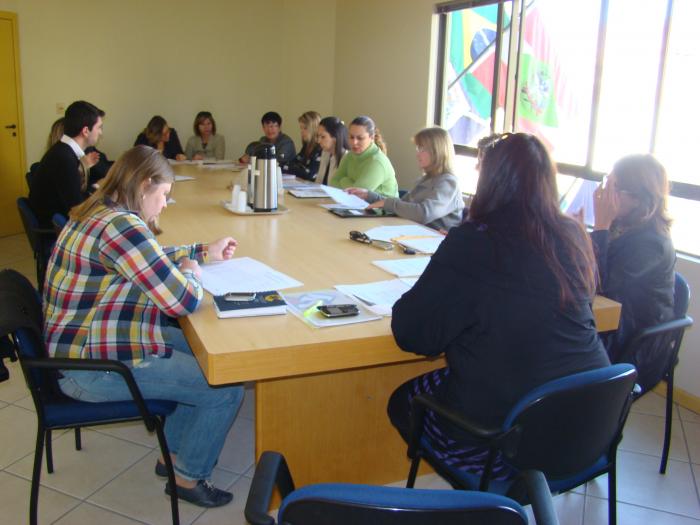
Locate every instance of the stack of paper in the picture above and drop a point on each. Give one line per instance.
(379, 296)
(304, 306)
(414, 236)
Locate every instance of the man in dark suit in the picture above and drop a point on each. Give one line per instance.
(59, 182)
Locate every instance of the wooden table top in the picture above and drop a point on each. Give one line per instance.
(309, 244)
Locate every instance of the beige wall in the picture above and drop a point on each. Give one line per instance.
(136, 58)
(383, 70)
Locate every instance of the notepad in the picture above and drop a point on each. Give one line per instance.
(264, 303)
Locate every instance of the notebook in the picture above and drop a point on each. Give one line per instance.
(264, 303)
(351, 213)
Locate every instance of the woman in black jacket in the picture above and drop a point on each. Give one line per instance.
(632, 241)
(507, 299)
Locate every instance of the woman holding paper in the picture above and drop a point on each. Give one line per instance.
(507, 299)
(366, 165)
(110, 291)
(436, 199)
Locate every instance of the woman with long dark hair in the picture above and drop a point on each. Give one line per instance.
(333, 139)
(507, 298)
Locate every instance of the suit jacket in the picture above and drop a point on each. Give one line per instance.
(56, 185)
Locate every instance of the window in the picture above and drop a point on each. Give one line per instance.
(595, 80)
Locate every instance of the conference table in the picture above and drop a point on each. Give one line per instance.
(320, 393)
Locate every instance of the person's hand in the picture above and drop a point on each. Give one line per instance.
(222, 249)
(606, 205)
(180, 156)
(92, 158)
(190, 264)
(358, 192)
(375, 204)
(197, 156)
(244, 159)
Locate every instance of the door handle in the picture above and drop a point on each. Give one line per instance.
(11, 126)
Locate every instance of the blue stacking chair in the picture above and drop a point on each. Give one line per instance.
(59, 221)
(21, 320)
(345, 503)
(568, 429)
(41, 240)
(654, 352)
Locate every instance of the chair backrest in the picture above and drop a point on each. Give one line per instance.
(59, 222)
(681, 296)
(22, 318)
(342, 504)
(30, 223)
(565, 426)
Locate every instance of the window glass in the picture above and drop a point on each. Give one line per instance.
(469, 68)
(556, 73)
(676, 138)
(629, 82)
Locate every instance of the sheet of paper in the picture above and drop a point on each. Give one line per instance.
(244, 274)
(339, 196)
(180, 178)
(229, 166)
(387, 233)
(407, 267)
(313, 192)
(174, 162)
(425, 245)
(303, 305)
(380, 296)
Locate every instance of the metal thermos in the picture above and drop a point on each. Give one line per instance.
(266, 181)
(250, 196)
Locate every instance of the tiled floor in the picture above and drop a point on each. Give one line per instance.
(111, 480)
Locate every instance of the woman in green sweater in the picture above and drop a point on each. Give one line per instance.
(366, 164)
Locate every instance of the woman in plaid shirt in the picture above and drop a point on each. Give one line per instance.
(109, 293)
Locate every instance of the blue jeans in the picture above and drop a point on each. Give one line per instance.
(197, 429)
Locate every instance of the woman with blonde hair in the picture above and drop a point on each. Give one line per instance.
(305, 164)
(436, 199)
(162, 137)
(366, 165)
(634, 250)
(110, 291)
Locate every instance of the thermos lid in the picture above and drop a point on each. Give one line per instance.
(265, 151)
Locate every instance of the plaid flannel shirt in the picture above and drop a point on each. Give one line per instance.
(110, 287)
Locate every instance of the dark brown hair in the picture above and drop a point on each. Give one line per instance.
(517, 173)
(201, 117)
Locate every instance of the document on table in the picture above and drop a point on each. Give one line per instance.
(304, 306)
(180, 178)
(243, 274)
(407, 267)
(346, 199)
(228, 166)
(414, 236)
(379, 296)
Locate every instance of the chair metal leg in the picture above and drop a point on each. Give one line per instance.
(36, 475)
(411, 481)
(612, 493)
(668, 423)
(78, 441)
(49, 452)
(171, 472)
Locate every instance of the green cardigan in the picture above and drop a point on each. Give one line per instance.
(371, 170)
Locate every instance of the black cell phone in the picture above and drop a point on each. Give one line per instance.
(239, 296)
(338, 310)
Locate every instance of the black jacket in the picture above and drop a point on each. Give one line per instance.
(55, 186)
(306, 167)
(171, 149)
(488, 302)
(637, 270)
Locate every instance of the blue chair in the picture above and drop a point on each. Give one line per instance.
(654, 352)
(41, 240)
(59, 221)
(568, 429)
(21, 320)
(344, 503)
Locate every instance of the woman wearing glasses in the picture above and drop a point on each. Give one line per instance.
(436, 199)
(635, 254)
(506, 298)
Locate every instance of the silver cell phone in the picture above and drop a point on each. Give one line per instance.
(338, 310)
(239, 296)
